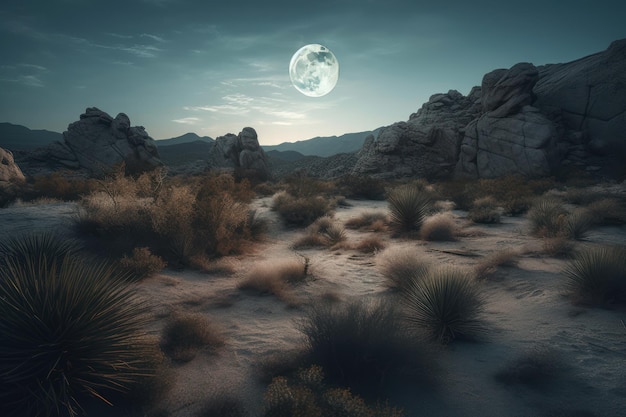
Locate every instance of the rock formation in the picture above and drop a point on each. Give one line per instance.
(97, 142)
(10, 176)
(241, 152)
(523, 120)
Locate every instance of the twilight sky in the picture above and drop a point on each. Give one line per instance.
(214, 67)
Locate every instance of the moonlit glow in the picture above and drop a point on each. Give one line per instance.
(314, 70)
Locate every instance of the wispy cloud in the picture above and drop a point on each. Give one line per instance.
(153, 37)
(25, 74)
(187, 120)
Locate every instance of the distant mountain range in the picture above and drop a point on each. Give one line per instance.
(190, 146)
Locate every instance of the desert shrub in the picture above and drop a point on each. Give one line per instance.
(323, 232)
(577, 223)
(446, 304)
(186, 334)
(301, 185)
(407, 207)
(546, 216)
(70, 330)
(307, 395)
(361, 187)
(372, 244)
(489, 265)
(301, 211)
(335, 234)
(558, 247)
(142, 263)
(42, 247)
(598, 275)
(222, 405)
(361, 344)
(534, 368)
(400, 266)
(61, 185)
(484, 210)
(275, 278)
(310, 240)
(439, 227)
(607, 211)
(371, 221)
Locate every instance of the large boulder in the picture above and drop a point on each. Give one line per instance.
(97, 142)
(240, 152)
(11, 177)
(427, 145)
(510, 137)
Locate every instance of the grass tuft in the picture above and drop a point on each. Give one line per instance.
(408, 206)
(184, 335)
(439, 227)
(401, 266)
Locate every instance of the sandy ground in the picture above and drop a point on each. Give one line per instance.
(526, 309)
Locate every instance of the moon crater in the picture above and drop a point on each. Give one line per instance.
(314, 70)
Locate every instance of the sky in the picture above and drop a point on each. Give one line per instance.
(215, 67)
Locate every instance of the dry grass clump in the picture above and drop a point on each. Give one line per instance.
(371, 244)
(61, 185)
(275, 278)
(307, 395)
(439, 227)
(533, 369)
(489, 265)
(372, 221)
(362, 344)
(558, 247)
(484, 210)
(324, 232)
(577, 223)
(301, 211)
(607, 211)
(400, 266)
(184, 335)
(597, 275)
(361, 187)
(142, 264)
(408, 206)
(446, 305)
(546, 216)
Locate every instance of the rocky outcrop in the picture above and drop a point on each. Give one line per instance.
(241, 152)
(97, 142)
(11, 177)
(427, 145)
(524, 120)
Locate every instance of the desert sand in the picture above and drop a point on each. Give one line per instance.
(526, 309)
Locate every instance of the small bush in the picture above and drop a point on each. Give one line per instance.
(484, 210)
(307, 395)
(401, 266)
(408, 206)
(142, 263)
(558, 247)
(275, 278)
(372, 221)
(70, 329)
(598, 275)
(301, 211)
(361, 344)
(439, 227)
(335, 234)
(533, 369)
(446, 304)
(607, 211)
(322, 233)
(546, 216)
(372, 244)
(186, 334)
(577, 223)
(504, 257)
(361, 187)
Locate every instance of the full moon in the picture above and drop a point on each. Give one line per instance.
(314, 70)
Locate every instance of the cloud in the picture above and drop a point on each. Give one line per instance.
(153, 37)
(25, 74)
(187, 120)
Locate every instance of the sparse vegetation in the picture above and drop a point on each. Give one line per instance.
(546, 216)
(275, 278)
(489, 265)
(597, 275)
(373, 221)
(361, 344)
(402, 266)
(142, 263)
(408, 206)
(301, 211)
(558, 247)
(186, 334)
(307, 395)
(439, 227)
(361, 187)
(371, 244)
(71, 329)
(446, 304)
(577, 223)
(484, 210)
(324, 232)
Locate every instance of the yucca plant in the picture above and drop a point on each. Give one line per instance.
(546, 216)
(407, 207)
(577, 223)
(446, 304)
(598, 275)
(36, 247)
(70, 330)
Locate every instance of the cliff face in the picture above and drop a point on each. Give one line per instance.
(524, 120)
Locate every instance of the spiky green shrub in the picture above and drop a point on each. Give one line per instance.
(577, 223)
(446, 304)
(361, 344)
(307, 395)
(546, 216)
(70, 329)
(44, 247)
(400, 266)
(598, 275)
(407, 208)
